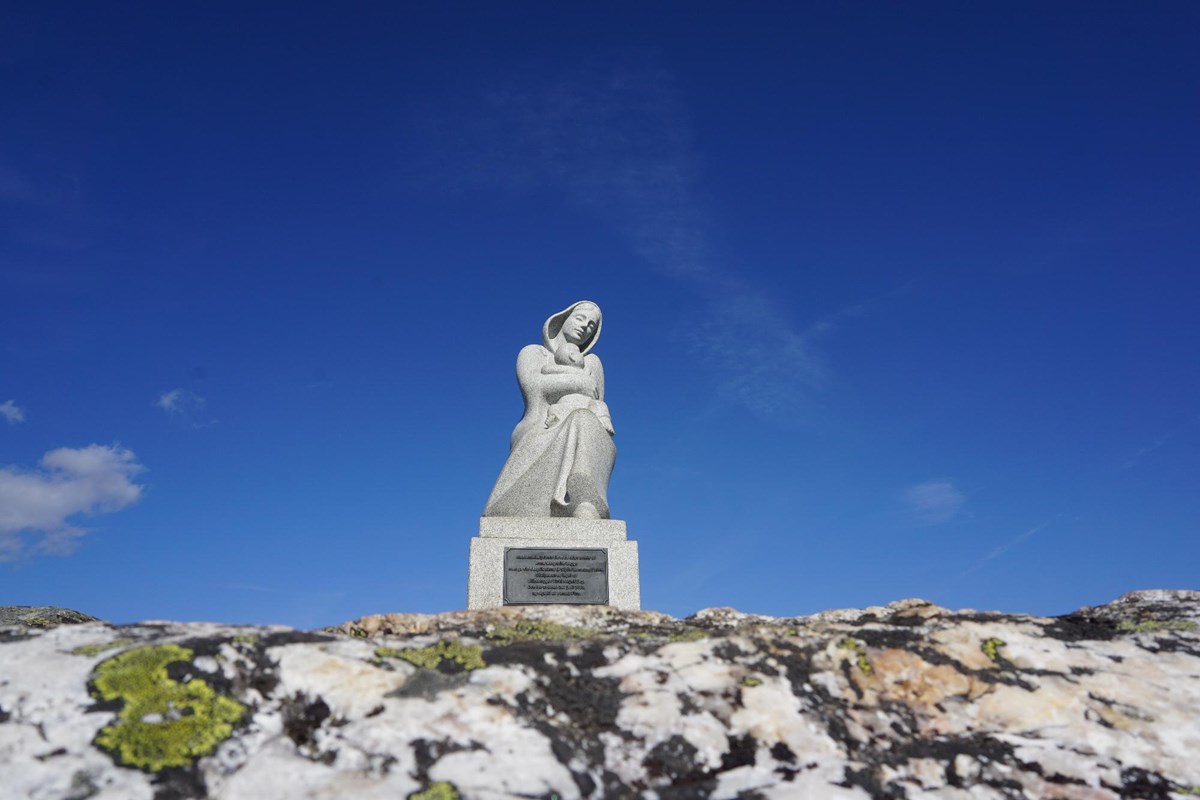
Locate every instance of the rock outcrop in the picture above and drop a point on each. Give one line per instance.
(904, 701)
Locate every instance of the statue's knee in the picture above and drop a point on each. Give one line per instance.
(584, 417)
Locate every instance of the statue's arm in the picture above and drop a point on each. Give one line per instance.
(596, 370)
(533, 382)
(561, 369)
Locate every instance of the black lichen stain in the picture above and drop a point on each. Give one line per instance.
(1080, 628)
(782, 753)
(590, 703)
(426, 684)
(742, 752)
(302, 717)
(673, 759)
(1141, 784)
(179, 783)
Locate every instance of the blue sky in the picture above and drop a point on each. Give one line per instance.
(900, 299)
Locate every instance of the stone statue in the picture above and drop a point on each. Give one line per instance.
(562, 451)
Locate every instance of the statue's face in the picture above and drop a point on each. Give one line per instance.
(581, 325)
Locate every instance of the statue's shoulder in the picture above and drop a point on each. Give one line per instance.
(592, 361)
(533, 351)
(533, 355)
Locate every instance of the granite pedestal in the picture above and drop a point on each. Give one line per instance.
(534, 560)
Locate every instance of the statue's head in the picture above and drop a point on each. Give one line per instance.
(578, 323)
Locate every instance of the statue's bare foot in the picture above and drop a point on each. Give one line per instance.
(586, 510)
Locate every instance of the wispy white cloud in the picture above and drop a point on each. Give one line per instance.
(934, 502)
(613, 136)
(1156, 443)
(179, 401)
(12, 412)
(185, 406)
(1001, 549)
(96, 479)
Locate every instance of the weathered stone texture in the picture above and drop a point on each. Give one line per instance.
(904, 701)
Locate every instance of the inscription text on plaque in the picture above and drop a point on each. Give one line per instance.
(555, 575)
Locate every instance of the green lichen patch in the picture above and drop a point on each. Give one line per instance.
(991, 648)
(441, 790)
(860, 650)
(468, 657)
(97, 649)
(751, 681)
(540, 630)
(162, 723)
(1152, 625)
(246, 638)
(688, 635)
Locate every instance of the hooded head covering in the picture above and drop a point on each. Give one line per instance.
(554, 325)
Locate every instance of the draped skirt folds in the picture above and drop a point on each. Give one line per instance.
(551, 471)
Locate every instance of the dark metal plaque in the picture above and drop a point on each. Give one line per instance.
(555, 575)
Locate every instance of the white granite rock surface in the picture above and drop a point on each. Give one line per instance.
(904, 701)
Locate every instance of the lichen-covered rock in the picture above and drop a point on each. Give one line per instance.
(41, 616)
(907, 700)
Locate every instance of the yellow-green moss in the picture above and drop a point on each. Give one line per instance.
(97, 649)
(857, 647)
(163, 723)
(1150, 625)
(541, 631)
(442, 790)
(688, 635)
(751, 681)
(467, 656)
(246, 638)
(991, 648)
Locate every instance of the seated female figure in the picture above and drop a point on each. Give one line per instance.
(562, 452)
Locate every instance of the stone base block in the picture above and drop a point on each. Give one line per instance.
(485, 582)
(564, 528)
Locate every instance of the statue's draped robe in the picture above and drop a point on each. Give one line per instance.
(552, 469)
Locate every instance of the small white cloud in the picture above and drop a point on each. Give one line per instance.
(180, 401)
(185, 407)
(934, 502)
(69, 481)
(12, 412)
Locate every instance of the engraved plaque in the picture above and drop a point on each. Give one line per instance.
(555, 575)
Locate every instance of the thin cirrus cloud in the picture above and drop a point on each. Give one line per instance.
(613, 136)
(1000, 550)
(179, 401)
(186, 407)
(934, 502)
(12, 412)
(36, 505)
